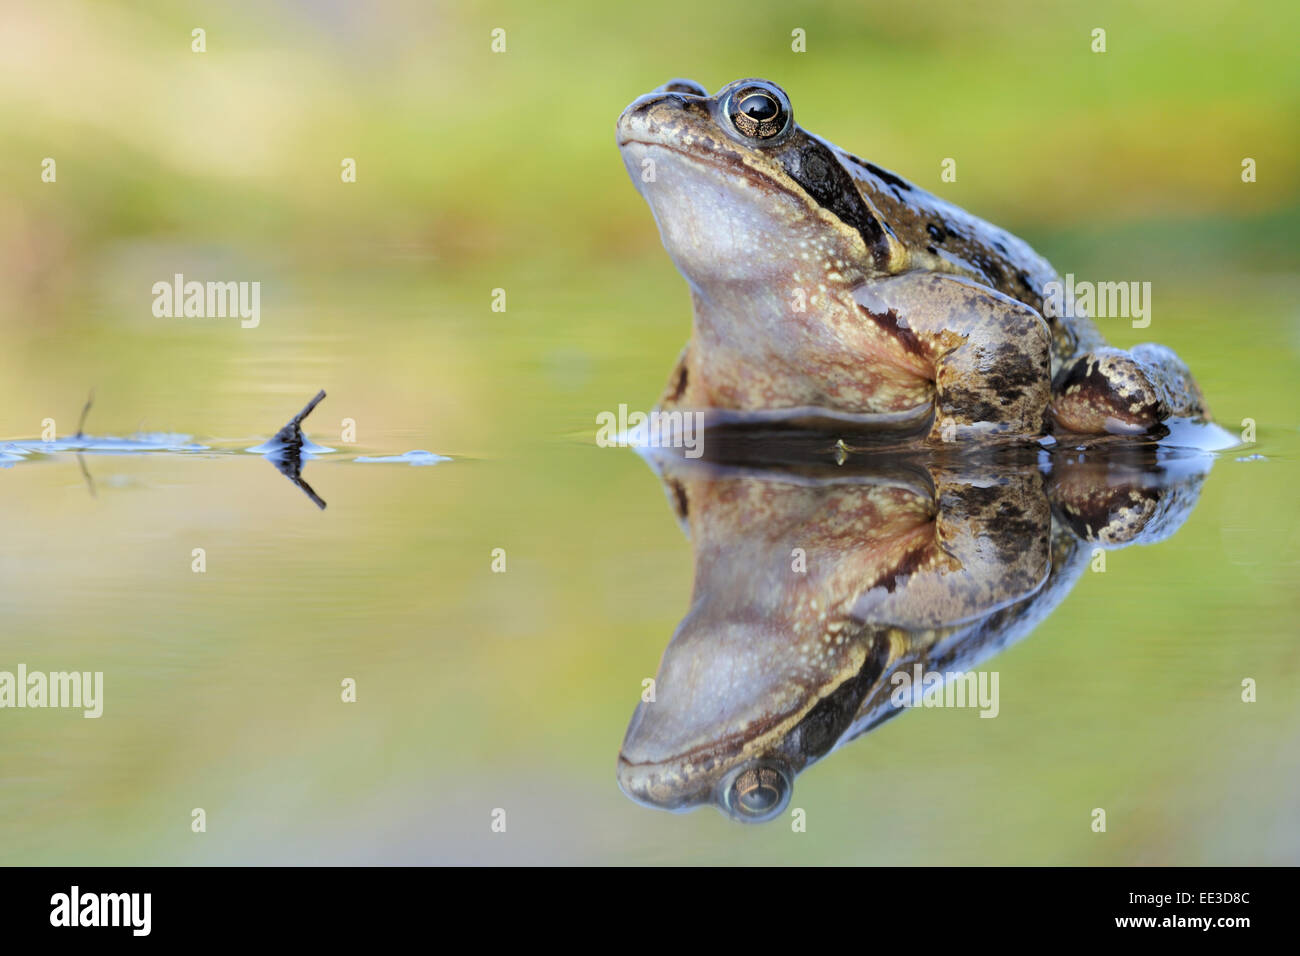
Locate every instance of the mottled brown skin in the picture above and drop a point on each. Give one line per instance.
(905, 561)
(1107, 389)
(824, 286)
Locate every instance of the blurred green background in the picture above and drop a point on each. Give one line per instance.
(478, 171)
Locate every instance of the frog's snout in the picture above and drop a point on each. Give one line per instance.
(659, 786)
(658, 115)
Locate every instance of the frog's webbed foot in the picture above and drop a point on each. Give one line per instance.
(1118, 505)
(1109, 390)
(990, 355)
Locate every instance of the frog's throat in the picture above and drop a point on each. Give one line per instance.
(724, 219)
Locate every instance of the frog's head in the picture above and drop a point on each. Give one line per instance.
(770, 666)
(739, 710)
(742, 193)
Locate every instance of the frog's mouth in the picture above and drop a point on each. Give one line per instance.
(684, 780)
(710, 161)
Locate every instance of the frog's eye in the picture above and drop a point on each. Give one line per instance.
(756, 792)
(757, 110)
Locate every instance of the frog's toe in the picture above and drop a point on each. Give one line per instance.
(1171, 376)
(1106, 390)
(1112, 391)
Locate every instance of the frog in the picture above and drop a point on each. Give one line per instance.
(817, 583)
(827, 288)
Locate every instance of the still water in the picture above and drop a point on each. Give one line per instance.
(499, 602)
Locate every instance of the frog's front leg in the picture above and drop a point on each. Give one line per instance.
(990, 356)
(991, 547)
(1110, 390)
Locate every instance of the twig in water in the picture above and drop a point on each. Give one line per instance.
(81, 425)
(90, 482)
(288, 458)
(291, 434)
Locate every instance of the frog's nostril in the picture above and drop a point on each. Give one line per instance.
(644, 106)
(689, 87)
(757, 792)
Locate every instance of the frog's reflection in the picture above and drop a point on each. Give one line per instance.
(816, 583)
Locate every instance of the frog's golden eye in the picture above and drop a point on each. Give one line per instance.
(757, 110)
(756, 792)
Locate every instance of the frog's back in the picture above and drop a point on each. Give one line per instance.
(941, 237)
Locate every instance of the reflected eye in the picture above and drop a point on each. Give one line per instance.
(758, 110)
(759, 106)
(756, 793)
